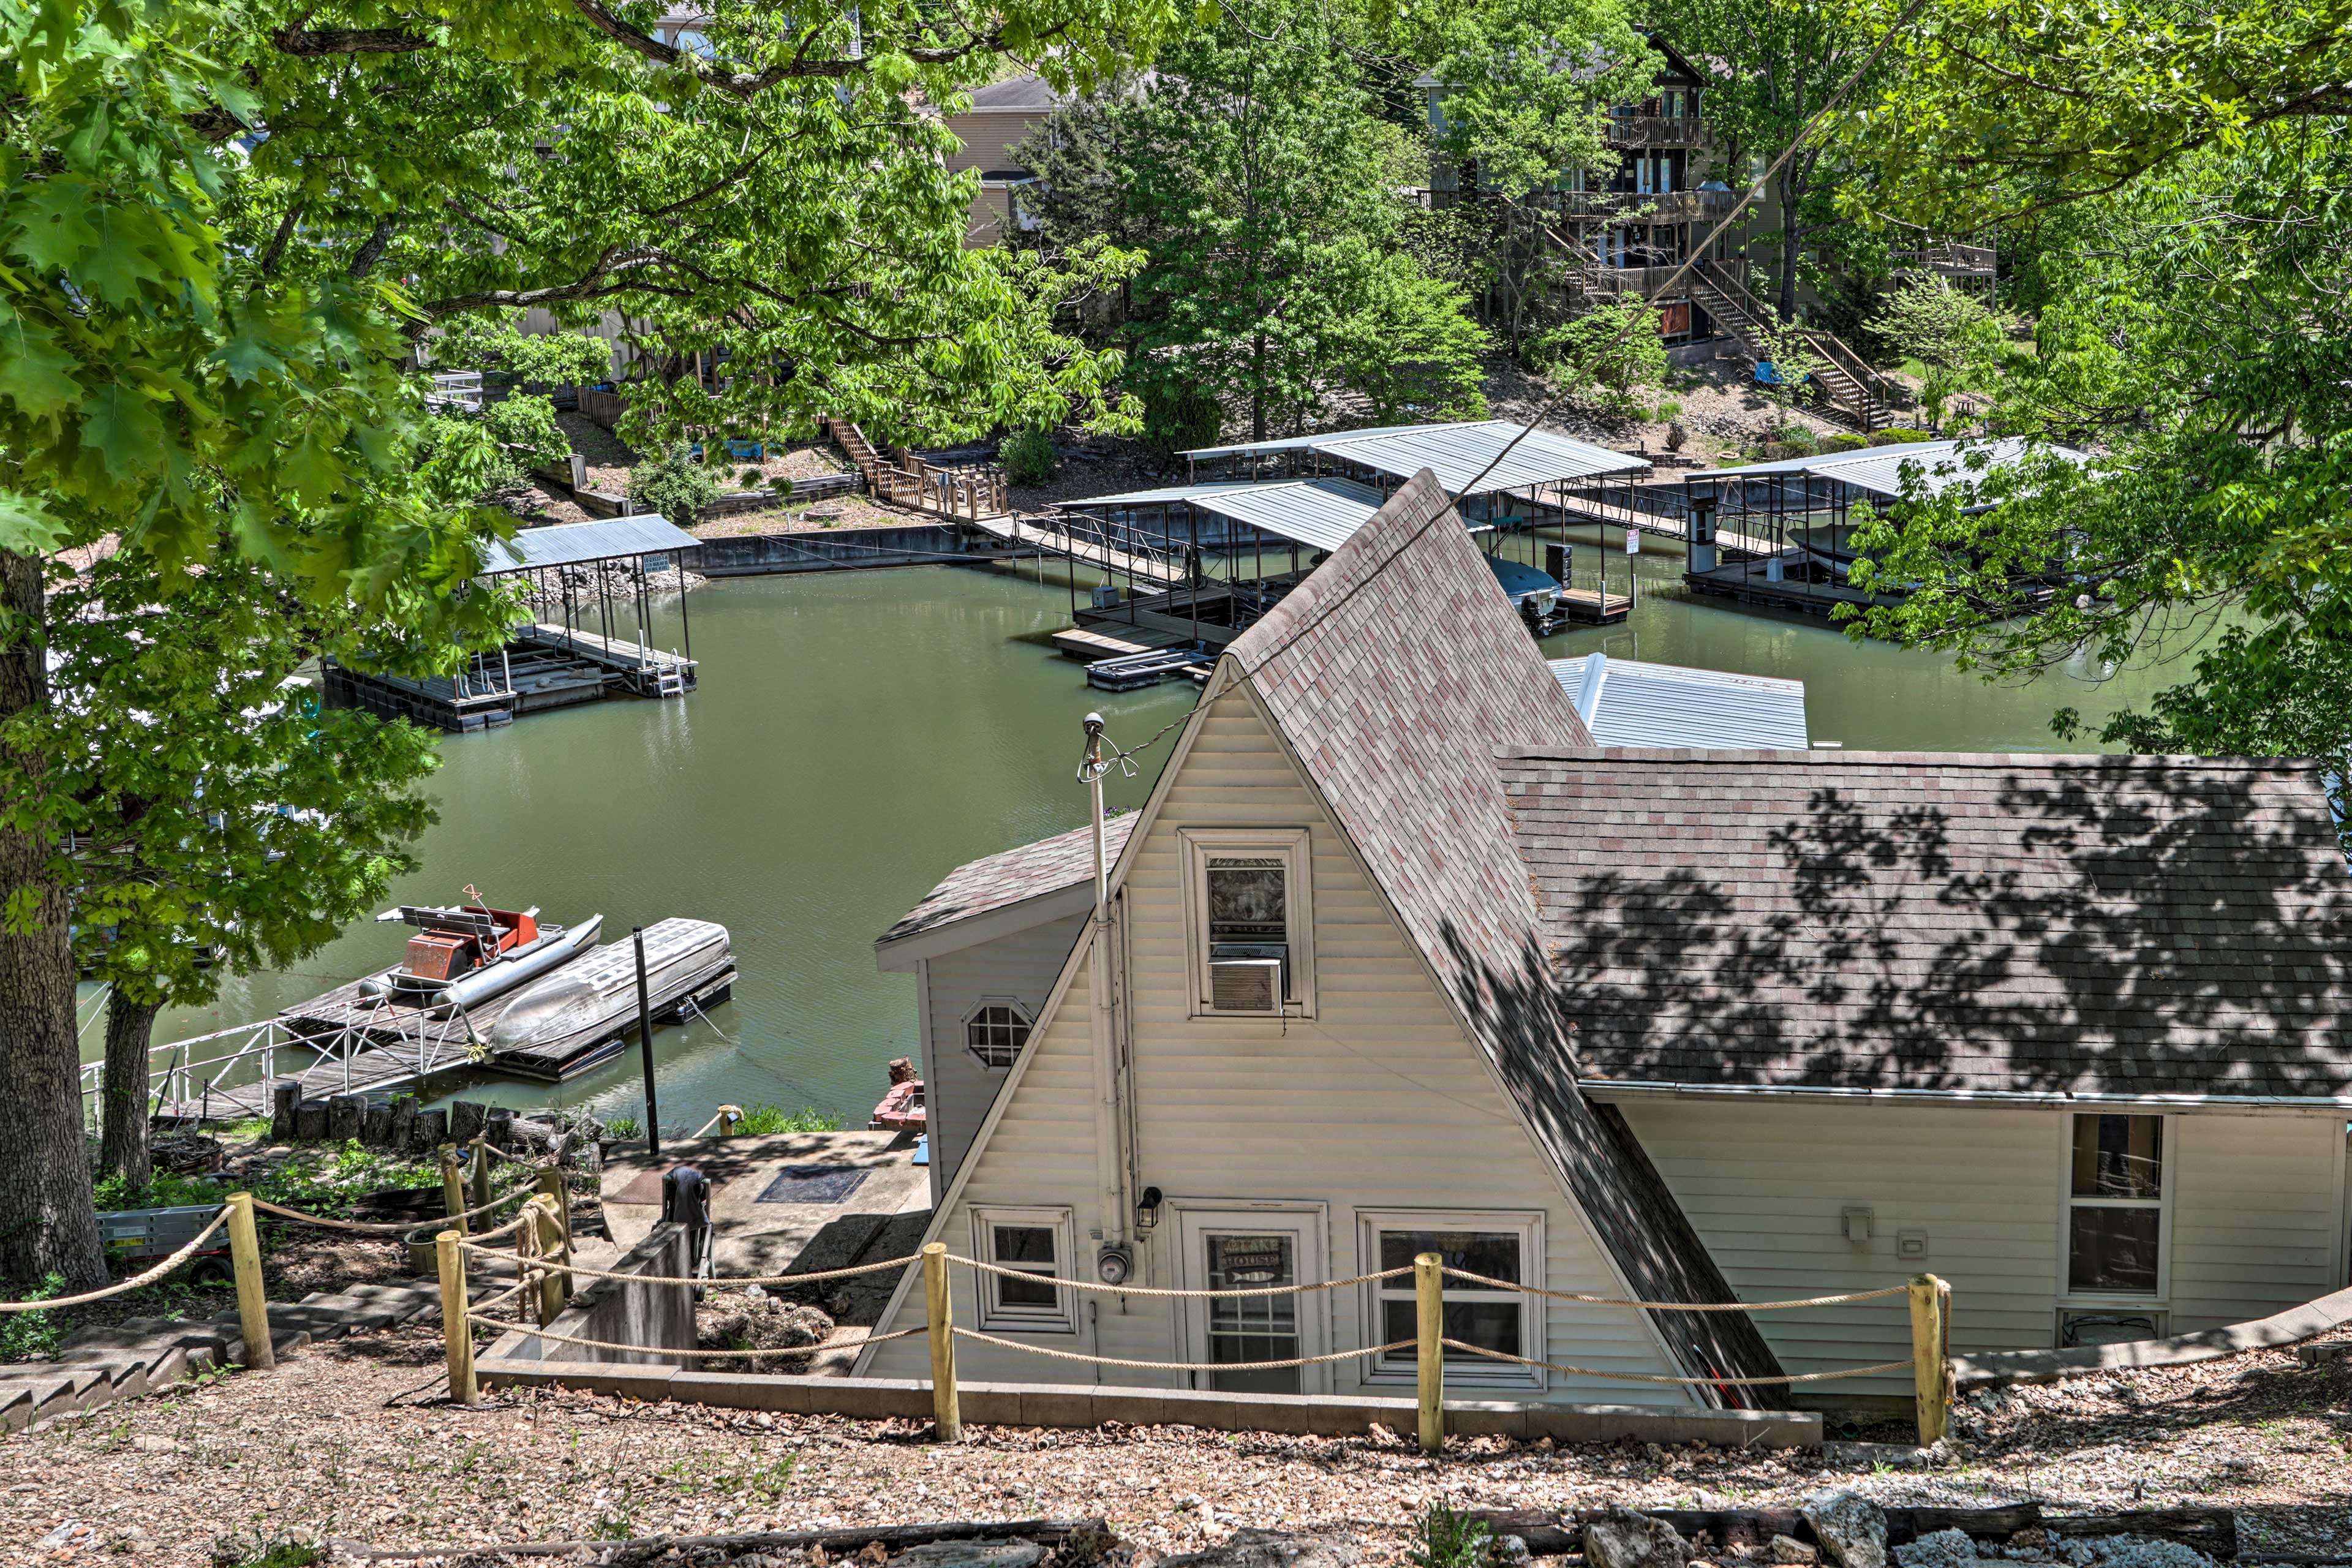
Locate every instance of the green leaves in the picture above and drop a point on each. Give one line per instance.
(36, 374)
(25, 526)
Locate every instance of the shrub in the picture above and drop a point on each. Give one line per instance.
(1450, 1539)
(1028, 458)
(1844, 441)
(1613, 349)
(1179, 416)
(776, 1119)
(624, 1127)
(751, 479)
(165, 1190)
(674, 485)
(29, 1336)
(1896, 436)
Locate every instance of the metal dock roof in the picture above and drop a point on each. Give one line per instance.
(1627, 702)
(576, 544)
(1457, 454)
(1879, 470)
(1319, 513)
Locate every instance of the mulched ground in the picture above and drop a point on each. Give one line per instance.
(349, 1441)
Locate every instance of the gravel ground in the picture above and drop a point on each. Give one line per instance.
(349, 1441)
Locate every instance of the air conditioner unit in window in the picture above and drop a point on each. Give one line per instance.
(1245, 984)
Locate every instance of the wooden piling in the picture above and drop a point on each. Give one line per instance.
(556, 1190)
(551, 1248)
(480, 1170)
(252, 1299)
(1931, 1301)
(453, 1188)
(1429, 1322)
(457, 1324)
(947, 1420)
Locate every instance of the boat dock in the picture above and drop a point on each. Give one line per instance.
(1120, 558)
(578, 655)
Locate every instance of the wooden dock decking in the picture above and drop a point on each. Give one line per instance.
(1593, 608)
(1115, 639)
(1086, 553)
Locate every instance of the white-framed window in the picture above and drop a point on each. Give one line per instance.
(1036, 1242)
(1504, 1245)
(2119, 1196)
(995, 1030)
(1249, 913)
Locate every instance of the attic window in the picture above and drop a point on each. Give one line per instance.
(994, 1032)
(1248, 915)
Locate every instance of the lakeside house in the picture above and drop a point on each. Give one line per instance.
(1677, 1025)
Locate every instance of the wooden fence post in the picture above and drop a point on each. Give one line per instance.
(453, 1188)
(1429, 1321)
(946, 1418)
(252, 1300)
(557, 1191)
(1930, 1342)
(480, 1170)
(457, 1323)
(550, 1247)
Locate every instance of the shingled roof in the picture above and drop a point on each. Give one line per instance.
(997, 881)
(1394, 673)
(1981, 925)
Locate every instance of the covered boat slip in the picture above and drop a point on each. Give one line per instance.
(1537, 485)
(587, 583)
(1794, 520)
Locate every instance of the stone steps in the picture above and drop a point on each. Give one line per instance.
(97, 1366)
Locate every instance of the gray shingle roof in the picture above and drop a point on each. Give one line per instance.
(994, 881)
(1966, 924)
(1394, 673)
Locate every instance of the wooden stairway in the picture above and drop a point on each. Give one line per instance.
(1857, 394)
(966, 494)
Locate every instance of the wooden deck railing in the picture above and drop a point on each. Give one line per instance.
(961, 491)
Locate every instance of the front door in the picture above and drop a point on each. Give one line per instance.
(1251, 1250)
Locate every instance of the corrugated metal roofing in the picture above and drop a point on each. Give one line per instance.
(1627, 702)
(573, 543)
(1457, 454)
(1319, 513)
(1879, 470)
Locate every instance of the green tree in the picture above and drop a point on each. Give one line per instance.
(1526, 83)
(1775, 64)
(214, 819)
(2193, 176)
(1256, 177)
(222, 229)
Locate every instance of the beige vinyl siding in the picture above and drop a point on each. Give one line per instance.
(2257, 1201)
(990, 135)
(1376, 1103)
(957, 1091)
(2257, 1216)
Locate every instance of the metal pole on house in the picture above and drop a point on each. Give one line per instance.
(552, 1282)
(457, 1323)
(1109, 1179)
(1931, 1353)
(645, 1046)
(453, 1188)
(947, 1420)
(1428, 1323)
(481, 1170)
(252, 1301)
(556, 1190)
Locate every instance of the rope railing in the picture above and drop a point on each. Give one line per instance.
(388, 1227)
(1931, 1304)
(1484, 1282)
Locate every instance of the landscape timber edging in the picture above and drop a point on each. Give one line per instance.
(1090, 1405)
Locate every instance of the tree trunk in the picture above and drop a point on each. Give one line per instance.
(123, 1149)
(1791, 241)
(48, 1224)
(1257, 388)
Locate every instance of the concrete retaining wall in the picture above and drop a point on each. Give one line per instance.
(1036, 1404)
(840, 550)
(658, 1317)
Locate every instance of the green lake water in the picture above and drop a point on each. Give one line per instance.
(857, 734)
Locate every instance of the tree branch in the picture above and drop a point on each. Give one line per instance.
(301, 42)
(371, 250)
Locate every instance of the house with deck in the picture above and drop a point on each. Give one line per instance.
(1396, 960)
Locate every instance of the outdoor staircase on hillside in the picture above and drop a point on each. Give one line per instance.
(968, 493)
(1857, 394)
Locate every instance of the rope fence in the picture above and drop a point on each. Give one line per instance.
(194, 1245)
(1710, 1381)
(1848, 1299)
